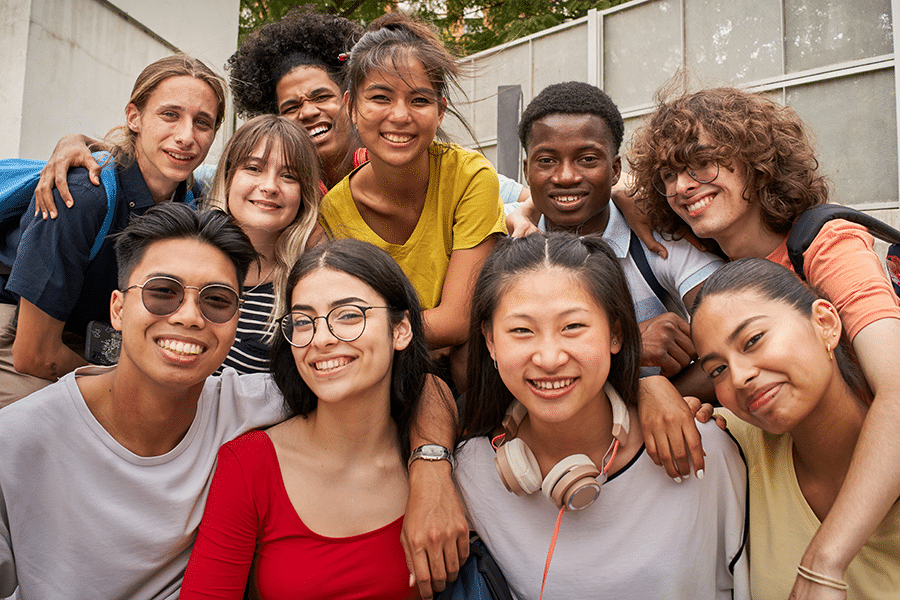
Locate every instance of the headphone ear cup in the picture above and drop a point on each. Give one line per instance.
(518, 468)
(572, 483)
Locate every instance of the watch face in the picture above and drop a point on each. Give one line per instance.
(431, 452)
(435, 451)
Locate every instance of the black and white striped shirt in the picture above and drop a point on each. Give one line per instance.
(250, 352)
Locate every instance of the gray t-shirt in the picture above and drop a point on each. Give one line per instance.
(83, 517)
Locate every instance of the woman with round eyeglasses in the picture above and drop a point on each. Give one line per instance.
(284, 517)
(766, 176)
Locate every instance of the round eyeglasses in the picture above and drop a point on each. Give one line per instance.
(345, 322)
(163, 295)
(665, 179)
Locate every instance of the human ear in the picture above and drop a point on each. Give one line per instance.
(615, 338)
(525, 171)
(827, 321)
(133, 118)
(402, 333)
(617, 169)
(488, 334)
(116, 304)
(347, 109)
(442, 108)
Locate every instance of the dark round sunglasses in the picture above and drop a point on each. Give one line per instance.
(163, 295)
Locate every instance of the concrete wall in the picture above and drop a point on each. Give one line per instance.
(833, 62)
(69, 65)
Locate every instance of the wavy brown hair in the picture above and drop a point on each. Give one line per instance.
(765, 140)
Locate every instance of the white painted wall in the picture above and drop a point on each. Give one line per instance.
(13, 51)
(69, 65)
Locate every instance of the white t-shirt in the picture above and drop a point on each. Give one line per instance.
(81, 517)
(645, 536)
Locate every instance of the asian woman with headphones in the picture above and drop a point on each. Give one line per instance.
(553, 385)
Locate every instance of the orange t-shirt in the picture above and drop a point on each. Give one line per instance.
(842, 265)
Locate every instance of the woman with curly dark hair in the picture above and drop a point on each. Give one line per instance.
(739, 169)
(295, 68)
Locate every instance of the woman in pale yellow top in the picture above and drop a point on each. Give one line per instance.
(779, 361)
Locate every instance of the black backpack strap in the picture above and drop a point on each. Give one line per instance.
(489, 569)
(808, 225)
(636, 250)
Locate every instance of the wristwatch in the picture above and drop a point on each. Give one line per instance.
(430, 452)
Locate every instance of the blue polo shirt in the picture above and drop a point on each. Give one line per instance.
(52, 269)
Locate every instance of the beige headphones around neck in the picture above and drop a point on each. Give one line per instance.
(574, 482)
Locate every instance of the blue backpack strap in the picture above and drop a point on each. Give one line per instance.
(108, 177)
(18, 179)
(189, 199)
(636, 250)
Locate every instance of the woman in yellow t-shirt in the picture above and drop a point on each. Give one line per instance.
(433, 207)
(779, 361)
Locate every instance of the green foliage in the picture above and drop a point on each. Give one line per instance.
(471, 27)
(468, 26)
(258, 12)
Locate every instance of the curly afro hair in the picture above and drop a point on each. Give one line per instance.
(573, 98)
(301, 37)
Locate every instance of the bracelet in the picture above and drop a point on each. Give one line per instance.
(825, 580)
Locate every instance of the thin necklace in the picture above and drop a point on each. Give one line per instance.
(262, 281)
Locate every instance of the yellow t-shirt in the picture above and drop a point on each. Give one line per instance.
(782, 524)
(462, 208)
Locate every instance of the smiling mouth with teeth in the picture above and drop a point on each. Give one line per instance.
(317, 131)
(702, 202)
(265, 205)
(567, 199)
(552, 385)
(179, 156)
(178, 347)
(327, 366)
(397, 139)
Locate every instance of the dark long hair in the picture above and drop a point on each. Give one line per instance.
(774, 282)
(379, 271)
(592, 262)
